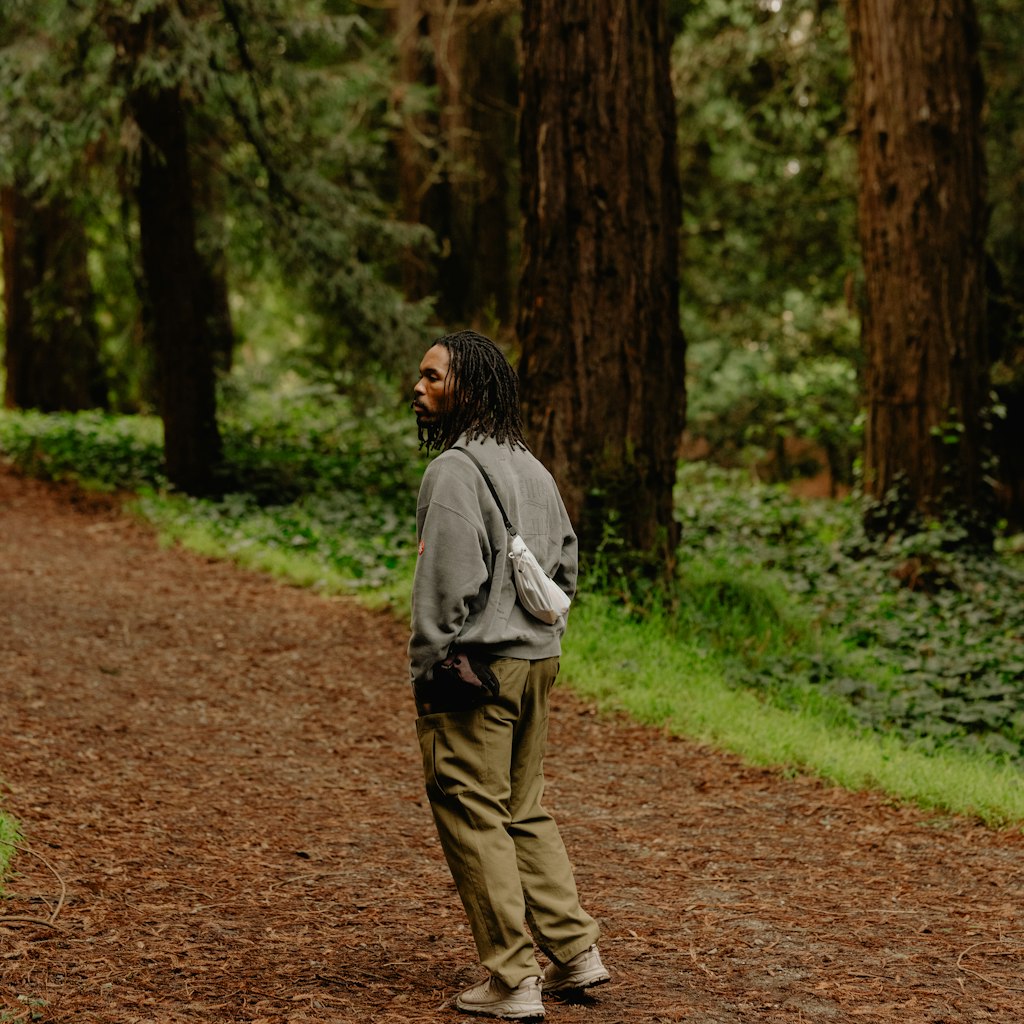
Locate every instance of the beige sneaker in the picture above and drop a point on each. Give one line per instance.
(493, 998)
(582, 971)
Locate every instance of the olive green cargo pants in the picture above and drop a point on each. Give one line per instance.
(484, 779)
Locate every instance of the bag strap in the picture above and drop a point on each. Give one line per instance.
(487, 480)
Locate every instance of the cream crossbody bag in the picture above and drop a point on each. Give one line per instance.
(538, 593)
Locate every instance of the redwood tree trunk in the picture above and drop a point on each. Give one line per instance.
(922, 229)
(213, 302)
(172, 270)
(51, 349)
(602, 364)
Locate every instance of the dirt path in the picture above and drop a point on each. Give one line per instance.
(221, 772)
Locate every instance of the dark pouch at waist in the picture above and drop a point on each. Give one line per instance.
(459, 683)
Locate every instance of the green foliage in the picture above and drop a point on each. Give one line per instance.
(100, 452)
(264, 82)
(320, 494)
(313, 443)
(769, 187)
(318, 82)
(920, 636)
(55, 106)
(748, 399)
(126, 358)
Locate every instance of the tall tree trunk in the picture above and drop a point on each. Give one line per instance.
(214, 306)
(171, 267)
(51, 349)
(456, 169)
(602, 365)
(922, 230)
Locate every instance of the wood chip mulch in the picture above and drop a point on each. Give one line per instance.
(218, 783)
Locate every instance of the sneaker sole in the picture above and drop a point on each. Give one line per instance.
(578, 984)
(499, 1015)
(501, 1012)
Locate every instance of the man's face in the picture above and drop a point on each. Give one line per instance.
(433, 389)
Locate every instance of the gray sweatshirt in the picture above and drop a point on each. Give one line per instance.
(463, 593)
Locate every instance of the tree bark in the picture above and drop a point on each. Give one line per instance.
(213, 303)
(51, 350)
(171, 267)
(922, 222)
(602, 369)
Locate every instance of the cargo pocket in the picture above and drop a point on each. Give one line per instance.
(454, 750)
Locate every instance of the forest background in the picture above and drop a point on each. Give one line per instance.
(231, 228)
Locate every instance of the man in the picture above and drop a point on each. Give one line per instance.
(483, 766)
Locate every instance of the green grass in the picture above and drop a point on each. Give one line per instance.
(789, 638)
(646, 669)
(917, 635)
(296, 547)
(9, 835)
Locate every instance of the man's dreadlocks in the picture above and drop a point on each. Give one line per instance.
(484, 395)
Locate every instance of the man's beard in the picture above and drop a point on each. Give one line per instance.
(433, 432)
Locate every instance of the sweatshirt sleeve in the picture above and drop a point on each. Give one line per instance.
(452, 567)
